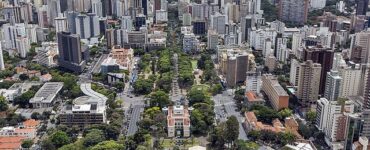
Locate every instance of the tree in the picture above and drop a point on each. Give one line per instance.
(27, 143)
(119, 85)
(254, 135)
(232, 129)
(48, 144)
(159, 99)
(23, 77)
(285, 113)
(60, 138)
(311, 116)
(265, 114)
(216, 89)
(286, 137)
(36, 116)
(94, 137)
(143, 86)
(247, 145)
(108, 145)
(197, 96)
(3, 104)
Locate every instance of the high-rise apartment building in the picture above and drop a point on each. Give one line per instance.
(70, 53)
(295, 11)
(212, 41)
(332, 120)
(278, 97)
(308, 83)
(360, 47)
(61, 24)
(2, 65)
(323, 56)
(253, 81)
(294, 72)
(333, 85)
(218, 22)
(351, 78)
(361, 7)
(318, 4)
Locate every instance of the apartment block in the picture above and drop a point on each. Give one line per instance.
(278, 97)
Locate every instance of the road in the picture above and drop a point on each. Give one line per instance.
(133, 118)
(226, 107)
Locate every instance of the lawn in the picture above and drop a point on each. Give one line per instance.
(203, 87)
(194, 64)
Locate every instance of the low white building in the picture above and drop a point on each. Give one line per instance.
(8, 94)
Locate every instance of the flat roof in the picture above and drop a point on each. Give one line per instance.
(47, 92)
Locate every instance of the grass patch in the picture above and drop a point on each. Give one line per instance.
(194, 64)
(168, 143)
(203, 87)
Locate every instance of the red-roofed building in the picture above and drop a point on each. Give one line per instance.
(11, 143)
(31, 123)
(178, 121)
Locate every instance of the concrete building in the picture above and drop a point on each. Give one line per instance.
(47, 95)
(2, 65)
(253, 81)
(83, 26)
(137, 39)
(278, 97)
(332, 119)
(46, 54)
(333, 85)
(190, 43)
(360, 47)
(22, 46)
(115, 77)
(234, 65)
(351, 78)
(218, 23)
(308, 83)
(61, 24)
(70, 53)
(86, 110)
(252, 98)
(178, 120)
(9, 95)
(323, 56)
(361, 7)
(318, 4)
(212, 41)
(123, 56)
(186, 19)
(295, 11)
(294, 72)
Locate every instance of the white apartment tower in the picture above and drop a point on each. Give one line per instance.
(332, 85)
(253, 81)
(318, 4)
(212, 41)
(2, 65)
(61, 24)
(218, 22)
(331, 118)
(294, 72)
(351, 78)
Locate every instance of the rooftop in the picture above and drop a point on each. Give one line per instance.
(47, 92)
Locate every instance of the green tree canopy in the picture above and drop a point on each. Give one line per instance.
(3, 103)
(94, 137)
(27, 143)
(159, 99)
(108, 145)
(60, 138)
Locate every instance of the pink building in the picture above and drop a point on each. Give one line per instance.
(178, 121)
